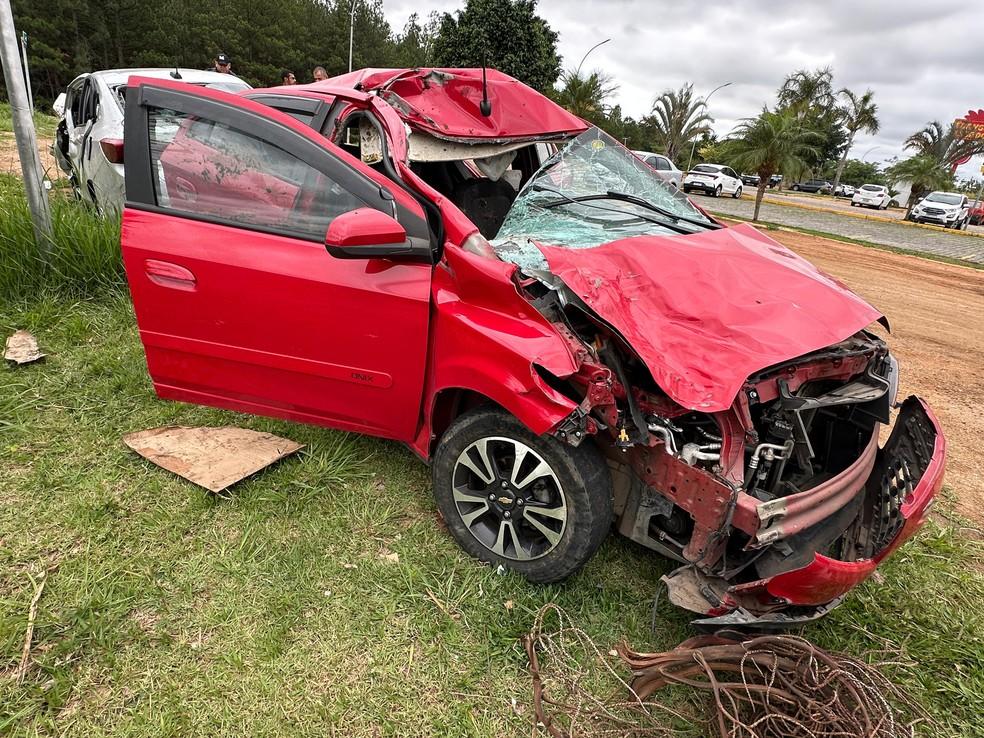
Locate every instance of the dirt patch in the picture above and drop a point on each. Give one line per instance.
(10, 161)
(937, 316)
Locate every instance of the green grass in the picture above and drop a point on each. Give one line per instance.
(84, 257)
(860, 242)
(44, 124)
(170, 611)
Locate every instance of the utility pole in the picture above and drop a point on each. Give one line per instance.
(690, 162)
(351, 31)
(27, 142)
(27, 71)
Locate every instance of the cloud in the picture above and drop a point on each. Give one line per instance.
(922, 59)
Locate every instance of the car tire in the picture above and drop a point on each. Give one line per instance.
(717, 191)
(737, 193)
(484, 512)
(795, 188)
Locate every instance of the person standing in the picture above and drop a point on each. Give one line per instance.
(319, 74)
(287, 78)
(221, 64)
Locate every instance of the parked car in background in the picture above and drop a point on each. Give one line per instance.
(752, 180)
(977, 212)
(844, 190)
(568, 340)
(948, 209)
(713, 179)
(88, 143)
(813, 185)
(775, 180)
(666, 170)
(872, 196)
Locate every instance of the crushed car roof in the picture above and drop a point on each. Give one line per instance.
(445, 103)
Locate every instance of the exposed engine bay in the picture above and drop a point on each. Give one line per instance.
(723, 492)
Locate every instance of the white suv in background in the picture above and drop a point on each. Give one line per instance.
(713, 179)
(665, 169)
(948, 209)
(88, 143)
(871, 196)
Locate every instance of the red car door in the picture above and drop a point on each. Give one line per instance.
(238, 302)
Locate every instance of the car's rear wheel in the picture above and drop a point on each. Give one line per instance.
(717, 191)
(530, 503)
(795, 188)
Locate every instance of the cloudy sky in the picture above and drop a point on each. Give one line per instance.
(923, 58)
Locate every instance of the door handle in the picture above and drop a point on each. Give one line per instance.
(166, 274)
(186, 189)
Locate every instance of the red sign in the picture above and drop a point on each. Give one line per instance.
(971, 126)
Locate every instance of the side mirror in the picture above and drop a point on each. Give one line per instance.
(59, 105)
(366, 233)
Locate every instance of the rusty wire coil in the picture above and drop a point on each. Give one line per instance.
(773, 686)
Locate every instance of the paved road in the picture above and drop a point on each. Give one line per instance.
(941, 243)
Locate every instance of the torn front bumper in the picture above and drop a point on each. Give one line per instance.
(904, 478)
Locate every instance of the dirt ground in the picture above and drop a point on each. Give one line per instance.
(10, 163)
(937, 315)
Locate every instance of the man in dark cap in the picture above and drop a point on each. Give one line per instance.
(221, 64)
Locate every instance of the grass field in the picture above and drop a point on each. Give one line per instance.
(281, 609)
(43, 123)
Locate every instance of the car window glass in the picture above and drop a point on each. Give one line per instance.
(705, 168)
(90, 99)
(662, 164)
(207, 168)
(76, 106)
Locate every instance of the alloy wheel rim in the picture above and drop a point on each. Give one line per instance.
(509, 498)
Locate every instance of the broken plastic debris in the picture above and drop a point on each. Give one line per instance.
(214, 458)
(22, 348)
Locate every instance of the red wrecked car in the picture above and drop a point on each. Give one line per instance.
(453, 261)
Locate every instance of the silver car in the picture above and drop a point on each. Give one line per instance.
(665, 169)
(88, 142)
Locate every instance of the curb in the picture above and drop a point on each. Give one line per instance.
(860, 216)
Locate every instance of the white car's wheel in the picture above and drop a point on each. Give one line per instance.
(717, 191)
(737, 193)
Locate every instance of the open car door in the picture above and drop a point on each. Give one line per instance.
(238, 301)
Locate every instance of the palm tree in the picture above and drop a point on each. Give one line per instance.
(859, 113)
(946, 145)
(772, 143)
(678, 119)
(585, 96)
(924, 173)
(804, 90)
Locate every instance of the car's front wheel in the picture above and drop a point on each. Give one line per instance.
(737, 193)
(528, 502)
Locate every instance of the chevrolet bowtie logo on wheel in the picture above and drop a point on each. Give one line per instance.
(505, 500)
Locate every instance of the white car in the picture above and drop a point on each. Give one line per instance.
(666, 170)
(713, 179)
(871, 196)
(88, 142)
(948, 209)
(844, 190)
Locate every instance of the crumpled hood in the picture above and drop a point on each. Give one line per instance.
(707, 310)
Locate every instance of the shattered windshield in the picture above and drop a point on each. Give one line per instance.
(591, 192)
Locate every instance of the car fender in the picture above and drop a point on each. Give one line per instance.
(488, 340)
